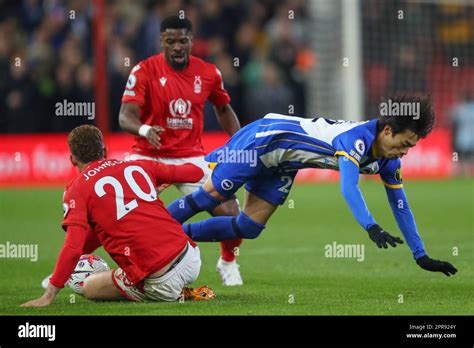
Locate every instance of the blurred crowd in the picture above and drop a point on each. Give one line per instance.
(423, 48)
(260, 46)
(46, 55)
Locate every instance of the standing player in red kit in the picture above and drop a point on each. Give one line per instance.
(117, 201)
(163, 106)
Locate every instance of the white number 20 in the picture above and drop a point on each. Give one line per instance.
(122, 208)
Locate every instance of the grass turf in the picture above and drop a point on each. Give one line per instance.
(285, 270)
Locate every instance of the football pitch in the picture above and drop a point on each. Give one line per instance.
(286, 270)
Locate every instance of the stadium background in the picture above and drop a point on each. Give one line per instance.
(291, 57)
(307, 58)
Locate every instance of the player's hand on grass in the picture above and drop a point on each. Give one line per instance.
(382, 238)
(45, 300)
(40, 302)
(153, 136)
(432, 265)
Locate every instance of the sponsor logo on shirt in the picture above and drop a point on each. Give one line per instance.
(355, 155)
(227, 185)
(163, 81)
(179, 109)
(197, 84)
(398, 174)
(179, 123)
(131, 82)
(359, 146)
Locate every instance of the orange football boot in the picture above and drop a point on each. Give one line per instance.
(204, 293)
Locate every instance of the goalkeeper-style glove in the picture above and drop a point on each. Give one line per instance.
(381, 238)
(432, 265)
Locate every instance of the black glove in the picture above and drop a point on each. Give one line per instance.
(381, 238)
(429, 264)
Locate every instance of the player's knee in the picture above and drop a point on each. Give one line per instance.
(246, 228)
(228, 208)
(201, 200)
(91, 288)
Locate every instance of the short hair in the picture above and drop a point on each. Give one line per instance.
(421, 125)
(86, 143)
(175, 22)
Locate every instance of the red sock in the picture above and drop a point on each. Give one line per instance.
(230, 249)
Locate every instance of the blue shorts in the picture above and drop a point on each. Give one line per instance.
(231, 173)
(271, 187)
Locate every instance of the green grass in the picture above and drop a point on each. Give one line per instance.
(286, 261)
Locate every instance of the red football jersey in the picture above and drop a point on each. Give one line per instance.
(175, 101)
(119, 201)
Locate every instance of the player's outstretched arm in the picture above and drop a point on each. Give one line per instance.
(67, 261)
(350, 190)
(406, 222)
(129, 120)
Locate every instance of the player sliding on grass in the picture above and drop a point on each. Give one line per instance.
(117, 201)
(163, 106)
(266, 155)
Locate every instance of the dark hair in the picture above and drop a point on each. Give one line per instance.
(175, 22)
(421, 125)
(86, 143)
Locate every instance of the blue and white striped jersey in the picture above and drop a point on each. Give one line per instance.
(286, 143)
(292, 143)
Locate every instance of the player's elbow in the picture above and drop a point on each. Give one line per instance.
(123, 120)
(198, 173)
(197, 176)
(220, 110)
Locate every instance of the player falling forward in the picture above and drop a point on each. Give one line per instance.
(163, 107)
(281, 145)
(118, 202)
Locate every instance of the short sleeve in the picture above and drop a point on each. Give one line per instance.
(353, 144)
(219, 95)
(391, 174)
(136, 87)
(74, 209)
